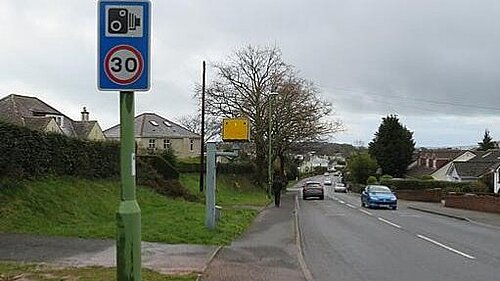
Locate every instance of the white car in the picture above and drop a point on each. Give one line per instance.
(328, 181)
(340, 187)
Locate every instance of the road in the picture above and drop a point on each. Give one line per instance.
(342, 241)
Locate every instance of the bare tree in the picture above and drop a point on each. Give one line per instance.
(193, 123)
(242, 89)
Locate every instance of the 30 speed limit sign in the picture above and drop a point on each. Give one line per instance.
(123, 64)
(124, 45)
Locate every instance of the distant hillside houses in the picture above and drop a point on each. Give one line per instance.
(35, 114)
(311, 161)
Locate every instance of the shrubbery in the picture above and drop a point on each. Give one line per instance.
(371, 180)
(26, 154)
(447, 186)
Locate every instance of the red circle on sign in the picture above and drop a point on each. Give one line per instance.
(113, 54)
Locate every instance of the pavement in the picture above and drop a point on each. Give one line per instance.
(490, 219)
(267, 251)
(75, 252)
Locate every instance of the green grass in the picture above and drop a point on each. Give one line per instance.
(86, 209)
(33, 272)
(232, 190)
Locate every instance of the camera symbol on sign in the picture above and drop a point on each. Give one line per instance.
(121, 21)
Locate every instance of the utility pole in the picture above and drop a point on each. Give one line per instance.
(202, 156)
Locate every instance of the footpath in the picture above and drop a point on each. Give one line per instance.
(266, 252)
(483, 218)
(74, 252)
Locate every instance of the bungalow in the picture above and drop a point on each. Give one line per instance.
(154, 133)
(35, 114)
(485, 163)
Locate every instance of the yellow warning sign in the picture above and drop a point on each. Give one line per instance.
(236, 129)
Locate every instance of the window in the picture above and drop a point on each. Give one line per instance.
(166, 144)
(153, 122)
(191, 145)
(152, 143)
(167, 124)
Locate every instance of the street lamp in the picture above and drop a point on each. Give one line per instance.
(269, 155)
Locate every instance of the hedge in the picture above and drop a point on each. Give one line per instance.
(446, 186)
(25, 153)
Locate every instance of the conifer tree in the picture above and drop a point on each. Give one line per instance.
(392, 146)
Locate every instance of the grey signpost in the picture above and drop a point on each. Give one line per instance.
(211, 180)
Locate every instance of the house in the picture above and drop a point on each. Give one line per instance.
(484, 164)
(441, 173)
(312, 161)
(154, 133)
(428, 161)
(35, 114)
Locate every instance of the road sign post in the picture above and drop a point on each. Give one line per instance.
(124, 65)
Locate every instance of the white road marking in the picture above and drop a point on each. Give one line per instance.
(350, 206)
(446, 247)
(388, 222)
(366, 212)
(341, 201)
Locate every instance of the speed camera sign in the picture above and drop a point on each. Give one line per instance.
(124, 45)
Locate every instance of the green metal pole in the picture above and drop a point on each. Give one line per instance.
(128, 217)
(269, 154)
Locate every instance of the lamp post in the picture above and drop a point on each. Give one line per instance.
(269, 154)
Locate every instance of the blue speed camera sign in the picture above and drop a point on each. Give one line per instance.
(124, 45)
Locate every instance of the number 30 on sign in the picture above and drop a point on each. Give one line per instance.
(123, 64)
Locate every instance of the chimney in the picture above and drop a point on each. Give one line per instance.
(85, 114)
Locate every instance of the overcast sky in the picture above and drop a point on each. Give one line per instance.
(434, 63)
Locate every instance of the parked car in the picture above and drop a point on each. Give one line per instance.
(328, 181)
(339, 187)
(378, 196)
(326, 174)
(313, 189)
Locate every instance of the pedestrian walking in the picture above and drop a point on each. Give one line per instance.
(278, 185)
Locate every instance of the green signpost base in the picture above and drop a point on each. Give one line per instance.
(128, 217)
(128, 241)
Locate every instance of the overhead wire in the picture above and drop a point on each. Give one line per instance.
(435, 102)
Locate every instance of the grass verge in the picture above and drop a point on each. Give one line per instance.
(232, 190)
(86, 209)
(33, 272)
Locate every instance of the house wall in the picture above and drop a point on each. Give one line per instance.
(496, 179)
(52, 127)
(181, 146)
(96, 134)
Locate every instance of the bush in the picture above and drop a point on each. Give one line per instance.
(169, 156)
(371, 180)
(385, 178)
(167, 170)
(361, 166)
(149, 176)
(427, 178)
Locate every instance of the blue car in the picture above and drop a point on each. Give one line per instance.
(378, 196)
